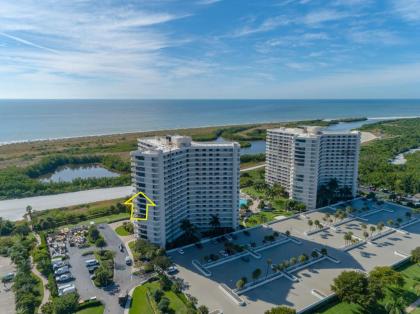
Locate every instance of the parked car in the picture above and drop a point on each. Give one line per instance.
(91, 269)
(67, 290)
(59, 264)
(223, 253)
(61, 270)
(121, 247)
(64, 278)
(128, 260)
(172, 270)
(62, 287)
(8, 277)
(91, 262)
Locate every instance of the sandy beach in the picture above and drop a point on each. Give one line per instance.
(367, 137)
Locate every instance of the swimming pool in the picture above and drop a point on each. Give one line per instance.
(243, 201)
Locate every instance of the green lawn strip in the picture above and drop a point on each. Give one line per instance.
(100, 220)
(411, 273)
(121, 231)
(140, 304)
(92, 310)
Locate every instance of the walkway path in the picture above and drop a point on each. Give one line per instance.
(15, 209)
(252, 168)
(125, 239)
(413, 306)
(40, 276)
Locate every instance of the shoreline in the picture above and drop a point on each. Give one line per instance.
(93, 136)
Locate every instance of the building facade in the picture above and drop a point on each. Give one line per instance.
(303, 159)
(186, 180)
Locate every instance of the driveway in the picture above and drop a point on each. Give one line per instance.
(123, 278)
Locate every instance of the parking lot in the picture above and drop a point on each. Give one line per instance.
(81, 277)
(7, 298)
(313, 281)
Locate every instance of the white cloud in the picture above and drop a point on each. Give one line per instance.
(78, 41)
(409, 10)
(322, 16)
(208, 2)
(268, 24)
(374, 37)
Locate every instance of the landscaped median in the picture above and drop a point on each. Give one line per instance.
(159, 295)
(408, 292)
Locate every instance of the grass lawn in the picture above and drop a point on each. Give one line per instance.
(92, 310)
(140, 303)
(121, 231)
(99, 220)
(279, 204)
(411, 273)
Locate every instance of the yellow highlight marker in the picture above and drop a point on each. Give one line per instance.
(130, 202)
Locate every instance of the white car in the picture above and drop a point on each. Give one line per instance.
(59, 264)
(67, 290)
(172, 269)
(63, 277)
(181, 251)
(61, 270)
(223, 253)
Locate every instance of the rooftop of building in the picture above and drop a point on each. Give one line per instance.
(311, 131)
(171, 142)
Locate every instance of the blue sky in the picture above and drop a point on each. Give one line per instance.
(210, 49)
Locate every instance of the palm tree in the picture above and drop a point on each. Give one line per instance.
(287, 233)
(293, 260)
(364, 226)
(310, 223)
(399, 220)
(380, 226)
(390, 222)
(324, 251)
(316, 222)
(348, 237)
(349, 210)
(269, 262)
(372, 230)
(314, 254)
(336, 216)
(215, 221)
(303, 258)
(29, 211)
(187, 227)
(408, 215)
(365, 235)
(395, 305)
(256, 273)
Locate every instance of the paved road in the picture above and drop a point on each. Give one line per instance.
(122, 273)
(14, 209)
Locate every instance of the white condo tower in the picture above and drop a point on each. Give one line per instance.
(302, 159)
(186, 180)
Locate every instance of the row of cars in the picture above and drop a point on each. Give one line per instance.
(63, 276)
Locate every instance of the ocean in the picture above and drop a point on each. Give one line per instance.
(22, 120)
